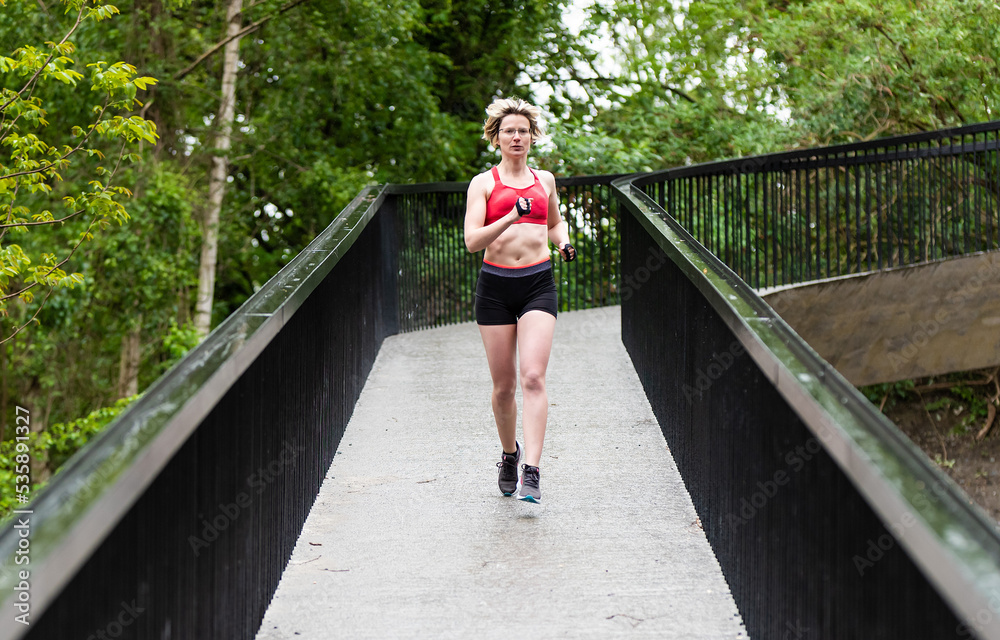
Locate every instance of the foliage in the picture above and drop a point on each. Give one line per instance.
(32, 165)
(891, 392)
(703, 81)
(140, 275)
(963, 394)
(50, 449)
(855, 70)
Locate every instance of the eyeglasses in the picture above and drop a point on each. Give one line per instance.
(511, 132)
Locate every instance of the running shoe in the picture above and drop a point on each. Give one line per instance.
(529, 484)
(508, 471)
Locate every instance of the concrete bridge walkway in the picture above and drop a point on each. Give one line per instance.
(410, 537)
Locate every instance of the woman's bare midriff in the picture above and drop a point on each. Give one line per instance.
(520, 245)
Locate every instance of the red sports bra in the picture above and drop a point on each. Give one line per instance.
(503, 198)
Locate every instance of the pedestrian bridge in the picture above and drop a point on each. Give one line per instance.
(322, 465)
(410, 537)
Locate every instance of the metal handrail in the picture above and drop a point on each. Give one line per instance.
(954, 542)
(803, 215)
(89, 496)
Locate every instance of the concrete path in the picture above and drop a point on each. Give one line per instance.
(410, 537)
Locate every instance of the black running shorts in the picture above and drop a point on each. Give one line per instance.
(504, 294)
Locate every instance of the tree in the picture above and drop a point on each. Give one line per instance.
(856, 70)
(220, 170)
(45, 167)
(703, 81)
(30, 172)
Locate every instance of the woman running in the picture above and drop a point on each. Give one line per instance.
(513, 213)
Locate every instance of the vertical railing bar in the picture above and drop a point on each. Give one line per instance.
(730, 211)
(868, 213)
(434, 290)
(810, 247)
(835, 208)
(728, 216)
(826, 190)
(742, 193)
(980, 245)
(772, 197)
(928, 207)
(753, 226)
(711, 193)
(993, 200)
(457, 278)
(411, 223)
(880, 224)
(434, 214)
(741, 220)
(706, 196)
(733, 207)
(792, 214)
(971, 221)
(766, 226)
(857, 217)
(938, 237)
(443, 226)
(795, 220)
(962, 167)
(898, 194)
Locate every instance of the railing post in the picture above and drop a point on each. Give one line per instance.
(390, 228)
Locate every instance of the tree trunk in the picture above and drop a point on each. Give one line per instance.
(128, 370)
(220, 171)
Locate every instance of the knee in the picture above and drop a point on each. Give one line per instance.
(504, 391)
(533, 382)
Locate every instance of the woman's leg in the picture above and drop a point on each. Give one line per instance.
(534, 342)
(500, 342)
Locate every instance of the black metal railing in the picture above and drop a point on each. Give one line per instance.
(439, 275)
(827, 522)
(178, 520)
(805, 215)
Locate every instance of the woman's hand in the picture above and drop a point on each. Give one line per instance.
(523, 206)
(568, 252)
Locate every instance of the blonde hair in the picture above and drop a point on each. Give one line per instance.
(503, 107)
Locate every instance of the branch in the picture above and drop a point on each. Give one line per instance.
(906, 58)
(991, 408)
(239, 34)
(39, 310)
(79, 242)
(79, 19)
(38, 224)
(679, 93)
(10, 207)
(949, 385)
(909, 64)
(65, 155)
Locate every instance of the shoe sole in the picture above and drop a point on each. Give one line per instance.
(530, 499)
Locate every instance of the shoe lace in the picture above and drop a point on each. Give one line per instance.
(530, 475)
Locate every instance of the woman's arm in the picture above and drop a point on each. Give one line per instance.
(478, 236)
(558, 233)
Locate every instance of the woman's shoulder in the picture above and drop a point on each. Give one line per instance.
(482, 180)
(545, 177)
